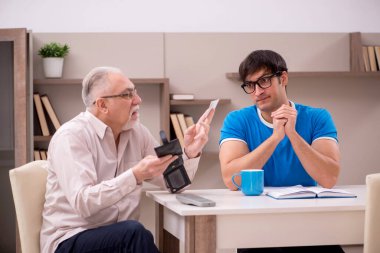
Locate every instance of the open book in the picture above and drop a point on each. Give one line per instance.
(300, 192)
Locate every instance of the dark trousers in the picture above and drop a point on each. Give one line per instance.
(122, 237)
(305, 249)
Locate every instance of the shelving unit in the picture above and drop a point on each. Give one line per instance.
(165, 104)
(15, 85)
(14, 65)
(164, 93)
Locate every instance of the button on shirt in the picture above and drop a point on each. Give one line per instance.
(90, 183)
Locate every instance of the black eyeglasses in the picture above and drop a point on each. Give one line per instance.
(128, 95)
(263, 82)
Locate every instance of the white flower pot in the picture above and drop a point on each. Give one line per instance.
(53, 67)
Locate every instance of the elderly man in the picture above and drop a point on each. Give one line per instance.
(97, 163)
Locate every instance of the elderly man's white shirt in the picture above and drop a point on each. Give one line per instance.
(90, 183)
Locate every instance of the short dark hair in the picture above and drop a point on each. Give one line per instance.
(261, 59)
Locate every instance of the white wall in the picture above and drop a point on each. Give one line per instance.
(197, 63)
(191, 16)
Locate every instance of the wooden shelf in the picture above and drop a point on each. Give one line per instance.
(78, 81)
(39, 138)
(198, 102)
(57, 81)
(235, 76)
(334, 74)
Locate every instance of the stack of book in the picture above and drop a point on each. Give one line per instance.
(371, 56)
(179, 121)
(47, 122)
(179, 124)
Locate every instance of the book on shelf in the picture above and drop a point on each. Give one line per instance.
(377, 53)
(182, 96)
(43, 154)
(182, 122)
(372, 58)
(37, 155)
(50, 111)
(301, 192)
(36, 124)
(40, 114)
(177, 128)
(367, 68)
(189, 121)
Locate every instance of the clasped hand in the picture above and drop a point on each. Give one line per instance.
(284, 121)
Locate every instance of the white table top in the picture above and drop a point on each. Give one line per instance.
(235, 202)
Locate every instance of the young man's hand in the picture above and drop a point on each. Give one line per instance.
(287, 116)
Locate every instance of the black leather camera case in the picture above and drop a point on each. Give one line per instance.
(175, 175)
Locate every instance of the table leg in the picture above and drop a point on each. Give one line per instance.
(159, 227)
(189, 234)
(171, 243)
(166, 242)
(200, 234)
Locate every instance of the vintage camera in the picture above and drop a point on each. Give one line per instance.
(175, 174)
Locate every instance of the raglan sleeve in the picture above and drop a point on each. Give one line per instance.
(324, 127)
(232, 128)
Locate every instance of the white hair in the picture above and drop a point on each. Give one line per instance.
(97, 78)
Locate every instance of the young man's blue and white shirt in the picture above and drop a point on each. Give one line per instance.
(283, 168)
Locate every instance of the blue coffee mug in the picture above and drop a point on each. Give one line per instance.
(252, 182)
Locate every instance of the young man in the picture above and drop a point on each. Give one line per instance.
(292, 143)
(97, 163)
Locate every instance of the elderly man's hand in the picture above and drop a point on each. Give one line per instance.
(151, 166)
(196, 136)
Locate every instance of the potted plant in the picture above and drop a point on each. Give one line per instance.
(52, 56)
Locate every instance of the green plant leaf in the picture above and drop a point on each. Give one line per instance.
(53, 49)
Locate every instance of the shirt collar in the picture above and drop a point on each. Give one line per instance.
(97, 124)
(100, 127)
(270, 125)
